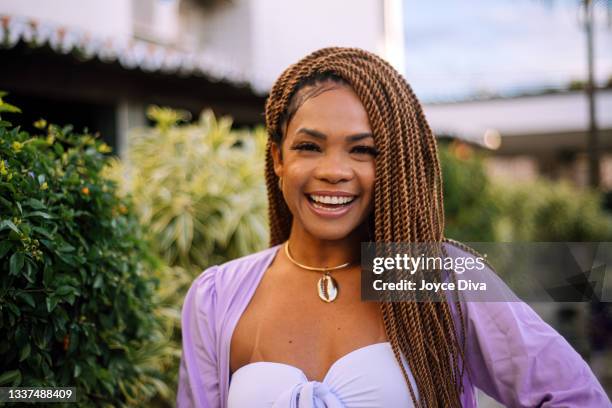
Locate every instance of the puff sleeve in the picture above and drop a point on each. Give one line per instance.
(518, 359)
(198, 373)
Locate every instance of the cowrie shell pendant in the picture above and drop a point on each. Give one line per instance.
(328, 288)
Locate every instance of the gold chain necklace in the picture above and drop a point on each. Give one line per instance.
(327, 286)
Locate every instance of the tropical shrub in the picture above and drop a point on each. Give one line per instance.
(78, 306)
(197, 187)
(199, 190)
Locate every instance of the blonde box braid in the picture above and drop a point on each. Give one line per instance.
(408, 203)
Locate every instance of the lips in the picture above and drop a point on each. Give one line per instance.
(330, 204)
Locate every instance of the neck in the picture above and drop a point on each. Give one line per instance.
(312, 251)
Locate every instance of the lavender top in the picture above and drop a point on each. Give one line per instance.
(512, 354)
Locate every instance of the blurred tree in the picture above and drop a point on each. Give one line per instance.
(548, 211)
(576, 85)
(470, 207)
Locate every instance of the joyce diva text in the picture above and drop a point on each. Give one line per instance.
(409, 285)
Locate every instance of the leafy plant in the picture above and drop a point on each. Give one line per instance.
(548, 211)
(471, 209)
(198, 187)
(478, 208)
(77, 304)
(200, 191)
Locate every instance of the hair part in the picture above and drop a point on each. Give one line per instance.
(307, 88)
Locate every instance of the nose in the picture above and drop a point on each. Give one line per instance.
(334, 168)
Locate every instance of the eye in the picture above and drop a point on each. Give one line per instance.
(306, 146)
(371, 150)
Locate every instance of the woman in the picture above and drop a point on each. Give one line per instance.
(351, 158)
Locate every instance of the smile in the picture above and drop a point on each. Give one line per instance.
(324, 199)
(330, 206)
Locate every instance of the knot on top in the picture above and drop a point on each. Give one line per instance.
(311, 394)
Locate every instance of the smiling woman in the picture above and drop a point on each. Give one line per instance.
(326, 164)
(351, 158)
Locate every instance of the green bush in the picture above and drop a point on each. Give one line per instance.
(478, 208)
(470, 207)
(199, 189)
(76, 305)
(548, 211)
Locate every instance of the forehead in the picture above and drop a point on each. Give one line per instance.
(331, 109)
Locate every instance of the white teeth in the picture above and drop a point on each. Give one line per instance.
(328, 209)
(331, 199)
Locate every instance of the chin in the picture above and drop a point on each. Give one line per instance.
(330, 233)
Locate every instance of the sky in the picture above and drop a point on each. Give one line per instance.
(462, 48)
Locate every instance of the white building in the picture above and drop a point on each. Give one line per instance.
(99, 63)
(108, 59)
(532, 135)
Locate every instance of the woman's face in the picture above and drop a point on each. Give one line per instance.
(328, 163)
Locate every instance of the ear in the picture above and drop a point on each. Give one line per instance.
(277, 158)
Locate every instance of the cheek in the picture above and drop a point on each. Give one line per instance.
(296, 175)
(368, 178)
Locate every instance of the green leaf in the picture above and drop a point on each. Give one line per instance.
(3, 200)
(14, 309)
(8, 224)
(66, 248)
(51, 303)
(69, 260)
(7, 107)
(4, 248)
(48, 275)
(29, 274)
(42, 231)
(98, 281)
(25, 352)
(64, 290)
(9, 377)
(28, 298)
(35, 204)
(16, 263)
(77, 370)
(49, 244)
(39, 214)
(9, 187)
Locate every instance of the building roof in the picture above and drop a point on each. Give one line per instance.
(527, 115)
(131, 54)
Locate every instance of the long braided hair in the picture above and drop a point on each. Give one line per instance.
(408, 204)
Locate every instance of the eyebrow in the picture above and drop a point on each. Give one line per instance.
(350, 138)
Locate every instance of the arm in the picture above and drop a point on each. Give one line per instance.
(198, 374)
(518, 359)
